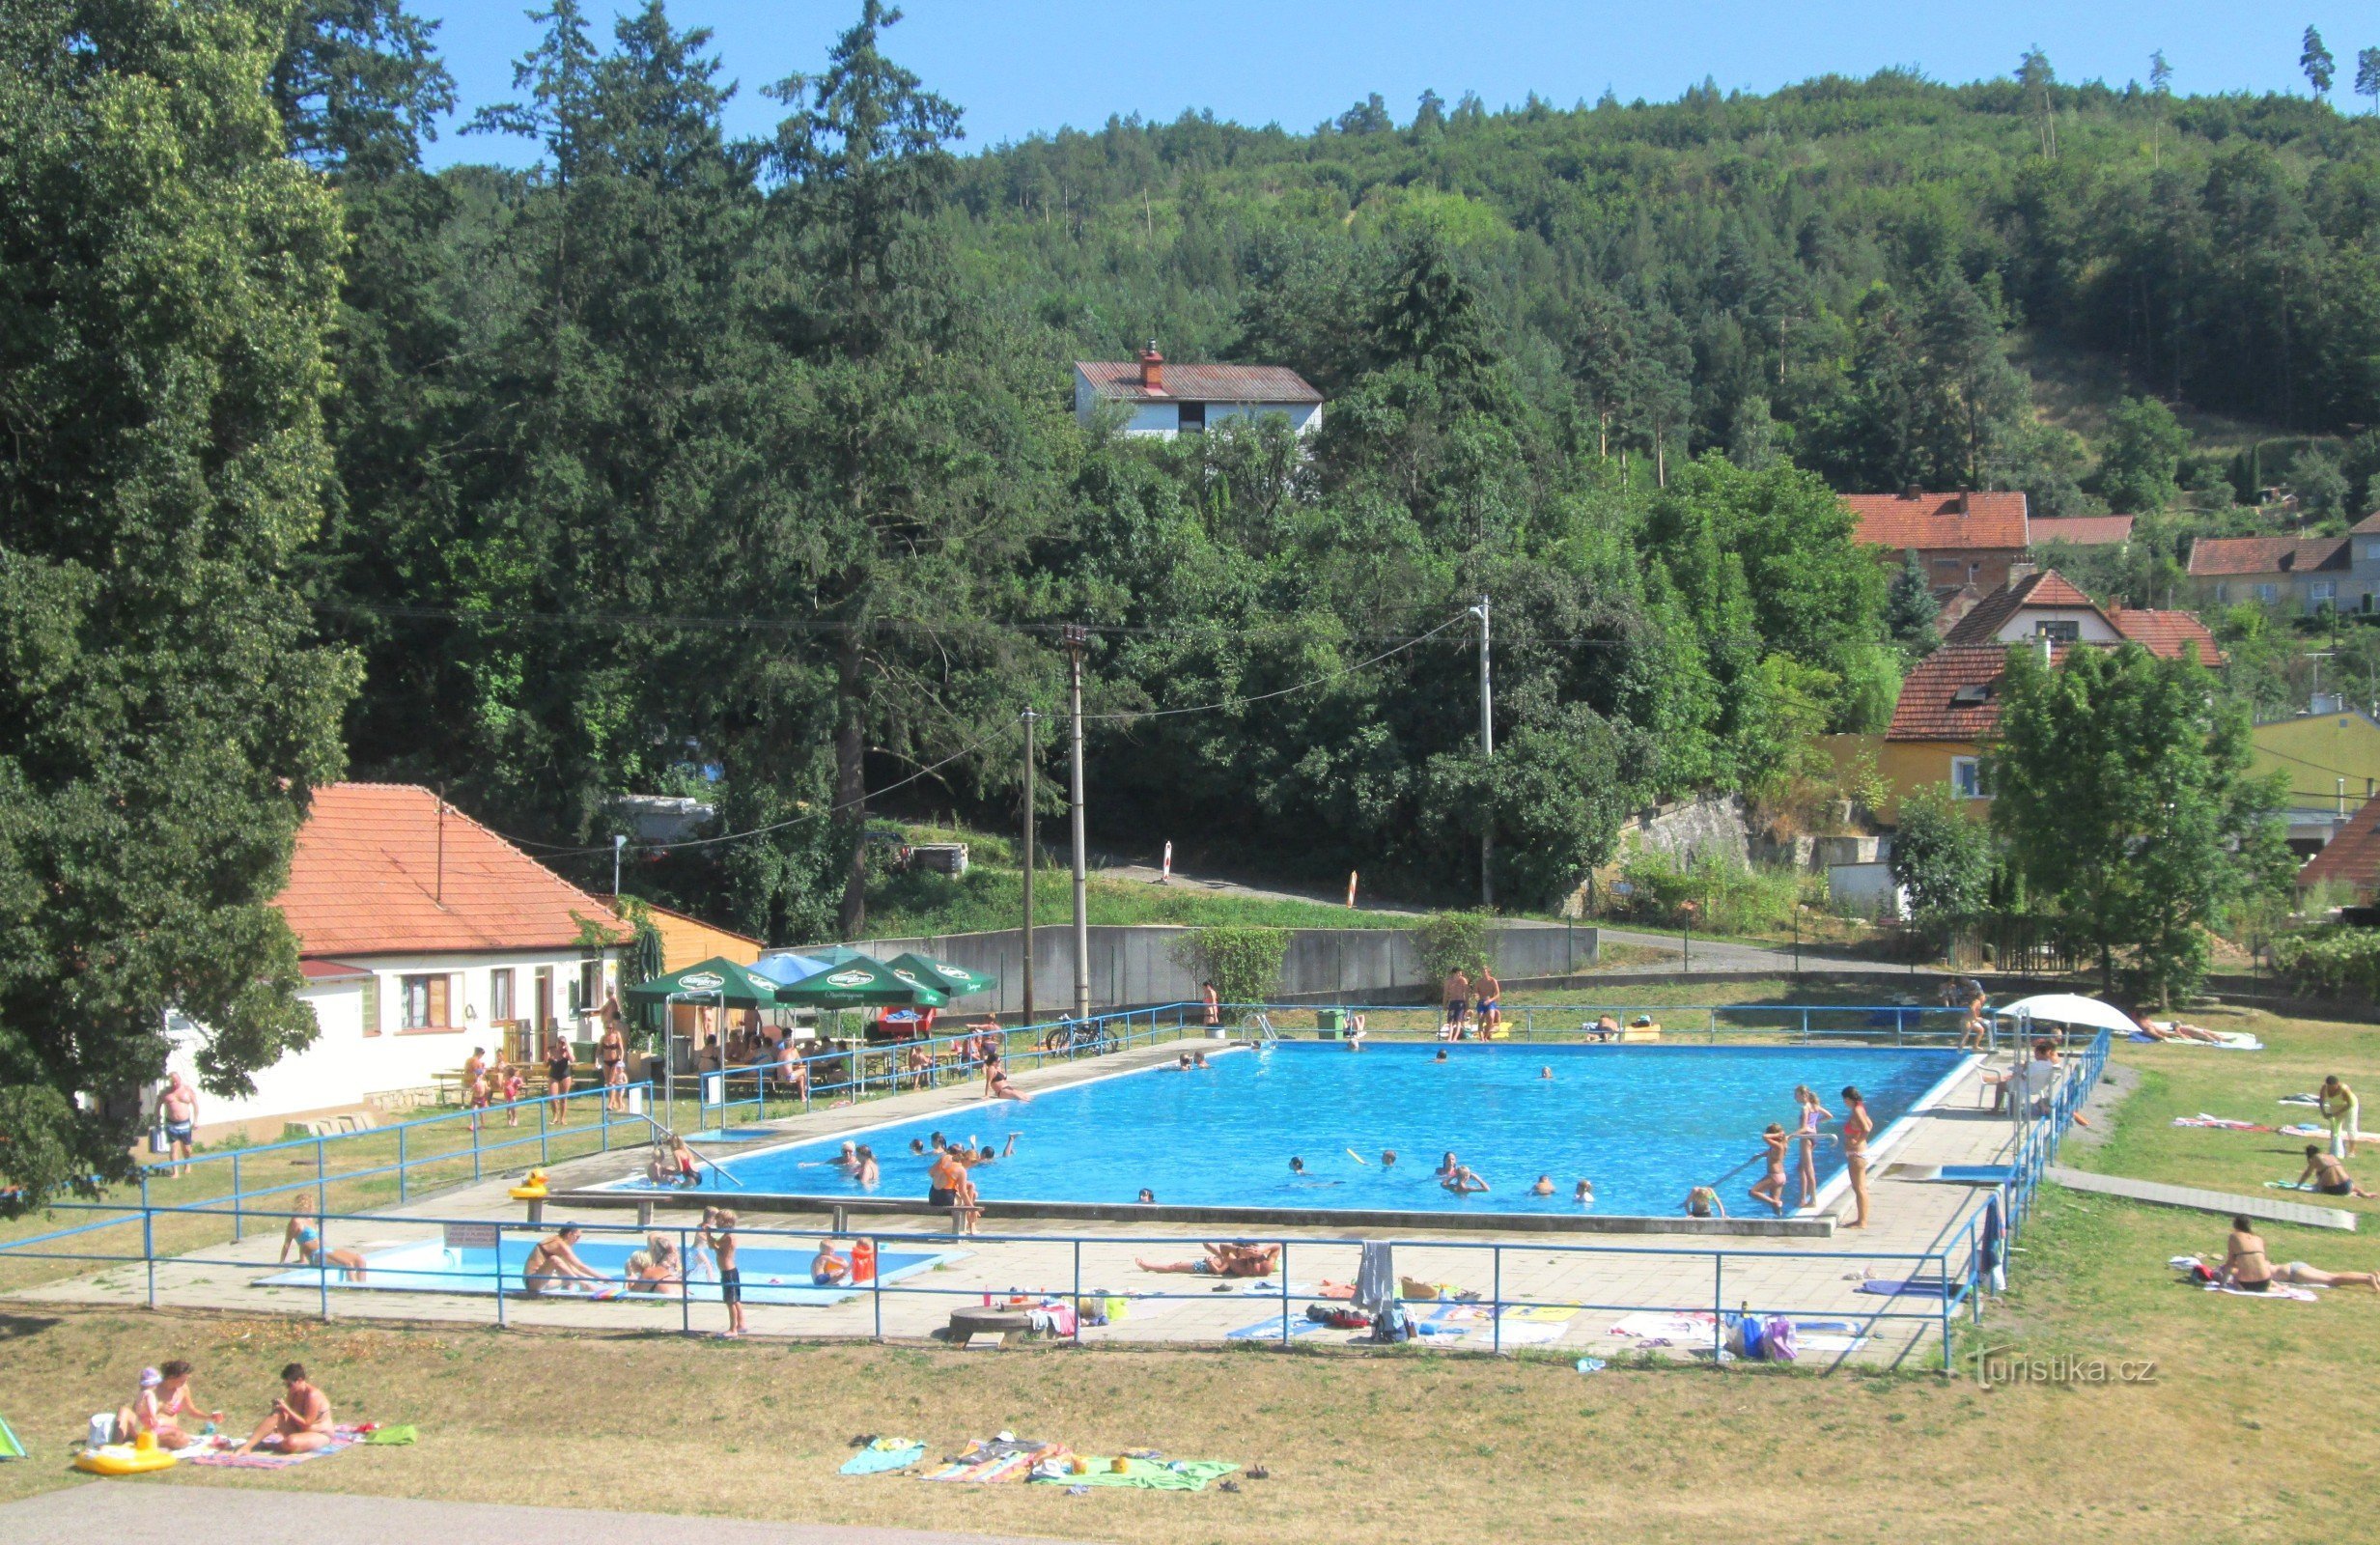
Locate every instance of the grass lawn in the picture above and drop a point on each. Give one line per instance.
(2253, 1424)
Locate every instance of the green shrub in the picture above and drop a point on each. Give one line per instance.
(1725, 897)
(2331, 961)
(1245, 964)
(1455, 940)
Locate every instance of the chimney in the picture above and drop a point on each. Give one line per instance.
(1151, 369)
(1910, 491)
(1965, 507)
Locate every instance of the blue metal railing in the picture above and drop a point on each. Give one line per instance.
(1947, 1266)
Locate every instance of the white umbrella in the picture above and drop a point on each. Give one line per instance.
(2072, 1008)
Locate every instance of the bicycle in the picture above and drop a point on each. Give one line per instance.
(1073, 1037)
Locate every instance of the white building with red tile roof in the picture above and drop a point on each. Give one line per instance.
(2047, 604)
(2309, 573)
(1165, 401)
(422, 936)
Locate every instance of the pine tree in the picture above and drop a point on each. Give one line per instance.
(2316, 61)
(1909, 608)
(2367, 76)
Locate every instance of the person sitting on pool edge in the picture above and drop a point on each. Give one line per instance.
(827, 1268)
(1238, 1258)
(307, 1239)
(553, 1265)
(2330, 1177)
(299, 1421)
(998, 1087)
(1703, 1201)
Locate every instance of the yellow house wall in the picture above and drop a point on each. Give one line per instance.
(1904, 766)
(2314, 753)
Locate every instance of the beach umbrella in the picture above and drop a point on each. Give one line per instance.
(863, 982)
(955, 981)
(788, 969)
(2071, 1008)
(718, 980)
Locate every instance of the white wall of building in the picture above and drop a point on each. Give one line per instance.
(352, 1059)
(2089, 627)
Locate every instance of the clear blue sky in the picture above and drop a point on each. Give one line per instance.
(1019, 66)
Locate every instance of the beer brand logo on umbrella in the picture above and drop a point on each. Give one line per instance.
(848, 979)
(703, 982)
(954, 973)
(907, 977)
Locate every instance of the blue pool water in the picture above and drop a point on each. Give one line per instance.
(1643, 1122)
(777, 1275)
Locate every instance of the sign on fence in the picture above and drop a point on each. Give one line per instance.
(471, 1236)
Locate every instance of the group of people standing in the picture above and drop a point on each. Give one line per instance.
(1473, 1007)
(1855, 1129)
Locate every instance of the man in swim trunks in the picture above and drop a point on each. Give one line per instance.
(827, 1268)
(1543, 1187)
(1458, 997)
(1214, 1006)
(179, 1106)
(1491, 1003)
(2329, 1176)
(731, 1277)
(300, 1419)
(553, 1265)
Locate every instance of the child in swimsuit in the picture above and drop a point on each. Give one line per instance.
(1772, 1187)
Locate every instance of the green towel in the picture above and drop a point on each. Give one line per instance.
(394, 1435)
(1148, 1474)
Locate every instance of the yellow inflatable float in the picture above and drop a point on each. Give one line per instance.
(532, 1189)
(123, 1459)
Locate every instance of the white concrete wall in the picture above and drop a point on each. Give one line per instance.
(344, 1064)
(2090, 627)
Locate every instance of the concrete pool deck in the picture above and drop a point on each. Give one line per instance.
(1810, 1278)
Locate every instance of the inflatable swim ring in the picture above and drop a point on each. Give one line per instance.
(123, 1459)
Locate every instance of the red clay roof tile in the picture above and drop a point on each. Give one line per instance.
(1934, 522)
(2353, 855)
(2084, 531)
(366, 880)
(2218, 556)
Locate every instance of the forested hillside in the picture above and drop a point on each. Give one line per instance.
(678, 465)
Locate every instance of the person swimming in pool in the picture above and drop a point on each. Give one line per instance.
(848, 1160)
(1184, 1064)
(1447, 1165)
(918, 1147)
(1703, 1201)
(1584, 1194)
(1465, 1181)
(1543, 1187)
(868, 1173)
(1297, 1166)
(1147, 1197)
(1387, 1158)
(1772, 1186)
(1441, 1056)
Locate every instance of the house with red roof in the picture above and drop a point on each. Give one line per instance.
(2352, 858)
(1166, 400)
(1948, 710)
(1967, 537)
(2083, 530)
(2307, 574)
(422, 936)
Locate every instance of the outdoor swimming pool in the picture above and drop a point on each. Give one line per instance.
(1643, 1122)
(770, 1276)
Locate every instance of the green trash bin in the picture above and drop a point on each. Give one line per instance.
(1328, 1022)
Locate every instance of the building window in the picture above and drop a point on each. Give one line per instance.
(2065, 630)
(425, 1003)
(2222, 593)
(2367, 550)
(1967, 777)
(2320, 593)
(545, 996)
(2268, 594)
(500, 993)
(1193, 418)
(587, 993)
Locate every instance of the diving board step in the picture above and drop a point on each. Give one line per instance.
(2205, 1202)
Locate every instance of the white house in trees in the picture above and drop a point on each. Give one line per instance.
(1170, 399)
(420, 934)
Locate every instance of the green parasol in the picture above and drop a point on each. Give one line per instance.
(863, 982)
(955, 981)
(718, 980)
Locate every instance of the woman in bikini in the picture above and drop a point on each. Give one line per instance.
(1808, 1135)
(612, 1052)
(1858, 1127)
(165, 1398)
(306, 1239)
(2243, 1266)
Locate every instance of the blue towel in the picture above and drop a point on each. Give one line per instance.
(874, 1460)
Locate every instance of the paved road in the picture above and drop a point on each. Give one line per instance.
(158, 1509)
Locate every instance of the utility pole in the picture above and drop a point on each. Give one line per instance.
(1076, 637)
(1487, 752)
(618, 845)
(1030, 717)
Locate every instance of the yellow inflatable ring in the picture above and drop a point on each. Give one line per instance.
(123, 1459)
(527, 1194)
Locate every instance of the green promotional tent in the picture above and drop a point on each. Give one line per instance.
(863, 982)
(718, 980)
(955, 981)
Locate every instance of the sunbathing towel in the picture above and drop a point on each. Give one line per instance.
(1143, 1474)
(1001, 1459)
(218, 1451)
(882, 1454)
(1920, 1286)
(2219, 1123)
(1270, 1327)
(1674, 1326)
(1829, 1344)
(2301, 1295)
